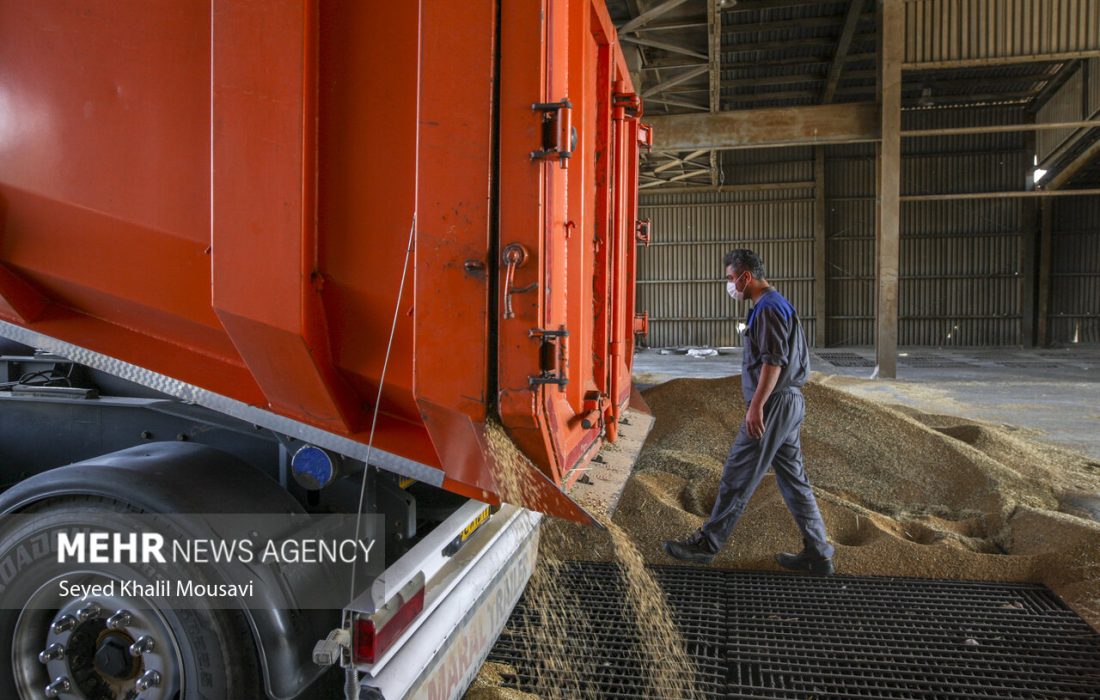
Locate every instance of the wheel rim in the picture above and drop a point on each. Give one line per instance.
(106, 647)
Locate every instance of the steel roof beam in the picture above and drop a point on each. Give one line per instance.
(855, 10)
(664, 46)
(649, 15)
(779, 126)
(672, 82)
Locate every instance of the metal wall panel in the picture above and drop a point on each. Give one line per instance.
(681, 281)
(960, 260)
(850, 245)
(1075, 271)
(1094, 87)
(952, 30)
(1063, 106)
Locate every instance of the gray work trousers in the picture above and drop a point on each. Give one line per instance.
(748, 462)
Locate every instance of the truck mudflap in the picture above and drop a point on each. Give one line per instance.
(467, 603)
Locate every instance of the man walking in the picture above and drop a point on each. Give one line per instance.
(775, 363)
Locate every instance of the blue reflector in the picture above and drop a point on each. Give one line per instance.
(313, 467)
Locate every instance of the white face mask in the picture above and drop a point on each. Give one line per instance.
(733, 291)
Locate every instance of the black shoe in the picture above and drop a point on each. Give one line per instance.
(804, 561)
(694, 548)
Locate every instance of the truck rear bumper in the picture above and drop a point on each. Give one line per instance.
(474, 593)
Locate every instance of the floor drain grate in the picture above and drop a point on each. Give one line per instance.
(930, 362)
(1029, 364)
(787, 636)
(845, 359)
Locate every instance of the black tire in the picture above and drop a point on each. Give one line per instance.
(214, 649)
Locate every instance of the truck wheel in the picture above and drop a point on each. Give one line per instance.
(65, 648)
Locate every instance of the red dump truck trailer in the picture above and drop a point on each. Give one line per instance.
(292, 257)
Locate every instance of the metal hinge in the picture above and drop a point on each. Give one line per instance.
(551, 357)
(625, 105)
(559, 138)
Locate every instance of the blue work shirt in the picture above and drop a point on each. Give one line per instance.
(774, 336)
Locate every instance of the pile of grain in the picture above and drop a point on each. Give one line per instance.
(903, 493)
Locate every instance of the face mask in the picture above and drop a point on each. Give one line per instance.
(733, 291)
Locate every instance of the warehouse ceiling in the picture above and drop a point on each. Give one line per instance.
(703, 56)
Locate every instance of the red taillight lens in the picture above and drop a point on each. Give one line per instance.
(372, 641)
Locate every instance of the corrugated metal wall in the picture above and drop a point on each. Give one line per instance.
(1064, 106)
(850, 245)
(1075, 271)
(1094, 86)
(944, 30)
(960, 260)
(681, 282)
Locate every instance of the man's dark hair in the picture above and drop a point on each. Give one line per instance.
(744, 259)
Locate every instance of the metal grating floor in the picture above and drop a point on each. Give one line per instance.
(1026, 364)
(845, 359)
(930, 362)
(765, 635)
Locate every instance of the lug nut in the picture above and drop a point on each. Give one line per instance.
(85, 614)
(59, 686)
(149, 679)
(64, 624)
(120, 619)
(145, 645)
(52, 653)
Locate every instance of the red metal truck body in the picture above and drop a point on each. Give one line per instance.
(223, 193)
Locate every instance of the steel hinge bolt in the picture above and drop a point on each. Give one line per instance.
(149, 679)
(144, 645)
(119, 620)
(53, 652)
(59, 686)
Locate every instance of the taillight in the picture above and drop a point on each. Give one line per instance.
(376, 633)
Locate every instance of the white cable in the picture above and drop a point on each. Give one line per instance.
(378, 402)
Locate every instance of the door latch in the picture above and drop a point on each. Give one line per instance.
(514, 255)
(559, 138)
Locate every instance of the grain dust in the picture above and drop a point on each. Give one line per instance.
(560, 613)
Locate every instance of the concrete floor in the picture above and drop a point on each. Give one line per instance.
(1055, 392)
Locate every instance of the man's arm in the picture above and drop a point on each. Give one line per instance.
(754, 417)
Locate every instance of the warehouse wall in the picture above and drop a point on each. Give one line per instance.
(1074, 311)
(1075, 271)
(1078, 99)
(961, 261)
(944, 30)
(681, 281)
(850, 245)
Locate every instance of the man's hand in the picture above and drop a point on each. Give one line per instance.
(754, 421)
(754, 417)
